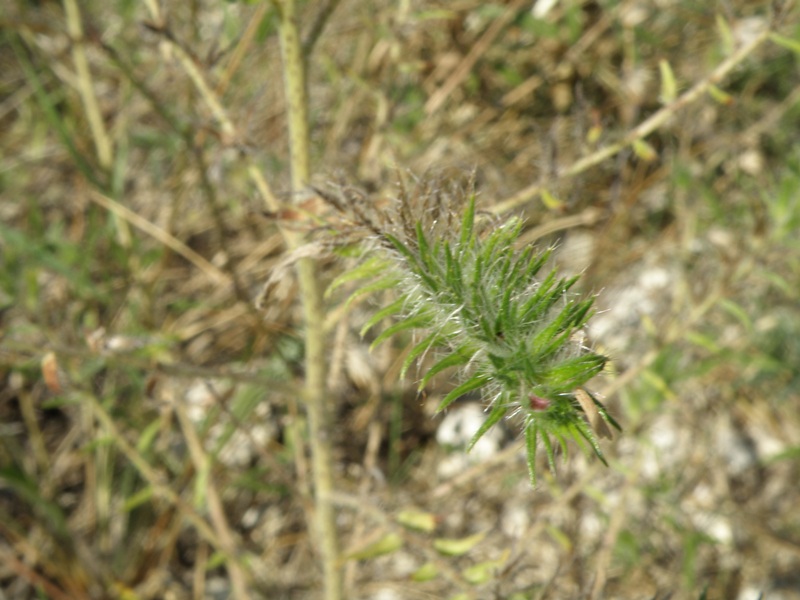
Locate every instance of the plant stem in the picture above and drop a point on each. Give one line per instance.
(314, 397)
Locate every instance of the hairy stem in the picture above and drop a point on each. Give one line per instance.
(314, 397)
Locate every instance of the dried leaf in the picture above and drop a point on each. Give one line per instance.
(592, 414)
(50, 373)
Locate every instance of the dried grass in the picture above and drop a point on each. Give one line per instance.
(702, 491)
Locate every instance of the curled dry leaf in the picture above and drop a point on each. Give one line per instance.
(50, 374)
(592, 414)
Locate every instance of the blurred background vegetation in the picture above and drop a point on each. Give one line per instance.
(147, 446)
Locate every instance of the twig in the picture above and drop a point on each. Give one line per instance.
(242, 47)
(586, 218)
(215, 274)
(318, 25)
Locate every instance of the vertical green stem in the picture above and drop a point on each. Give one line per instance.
(315, 396)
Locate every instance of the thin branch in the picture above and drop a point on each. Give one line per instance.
(215, 274)
(318, 25)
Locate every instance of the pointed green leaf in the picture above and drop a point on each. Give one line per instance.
(498, 412)
(531, 434)
(521, 265)
(400, 247)
(504, 319)
(604, 413)
(477, 272)
(459, 356)
(586, 432)
(366, 270)
(548, 448)
(431, 341)
(454, 275)
(473, 383)
(379, 285)
(418, 321)
(562, 442)
(393, 308)
(487, 328)
(535, 307)
(536, 265)
(573, 372)
(467, 223)
(422, 242)
(488, 246)
(501, 272)
(412, 262)
(427, 258)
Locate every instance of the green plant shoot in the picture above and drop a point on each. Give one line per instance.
(485, 308)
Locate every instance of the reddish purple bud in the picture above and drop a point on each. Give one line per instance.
(538, 403)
